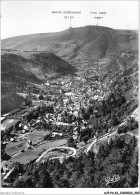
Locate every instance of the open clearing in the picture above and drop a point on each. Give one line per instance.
(27, 156)
(35, 136)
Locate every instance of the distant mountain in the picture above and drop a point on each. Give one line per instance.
(18, 67)
(78, 45)
(41, 56)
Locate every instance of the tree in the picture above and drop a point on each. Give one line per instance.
(64, 182)
(18, 169)
(85, 181)
(35, 177)
(102, 152)
(133, 173)
(86, 138)
(70, 142)
(45, 180)
(19, 183)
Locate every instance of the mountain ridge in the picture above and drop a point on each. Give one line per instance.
(36, 34)
(76, 47)
(77, 43)
(18, 67)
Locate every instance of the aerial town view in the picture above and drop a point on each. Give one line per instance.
(69, 105)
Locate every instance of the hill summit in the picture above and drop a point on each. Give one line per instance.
(37, 56)
(77, 43)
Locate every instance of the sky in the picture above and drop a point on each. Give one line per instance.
(30, 17)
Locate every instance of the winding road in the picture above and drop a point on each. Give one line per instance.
(61, 147)
(94, 141)
(100, 139)
(134, 114)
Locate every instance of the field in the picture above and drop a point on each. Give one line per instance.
(36, 137)
(27, 156)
